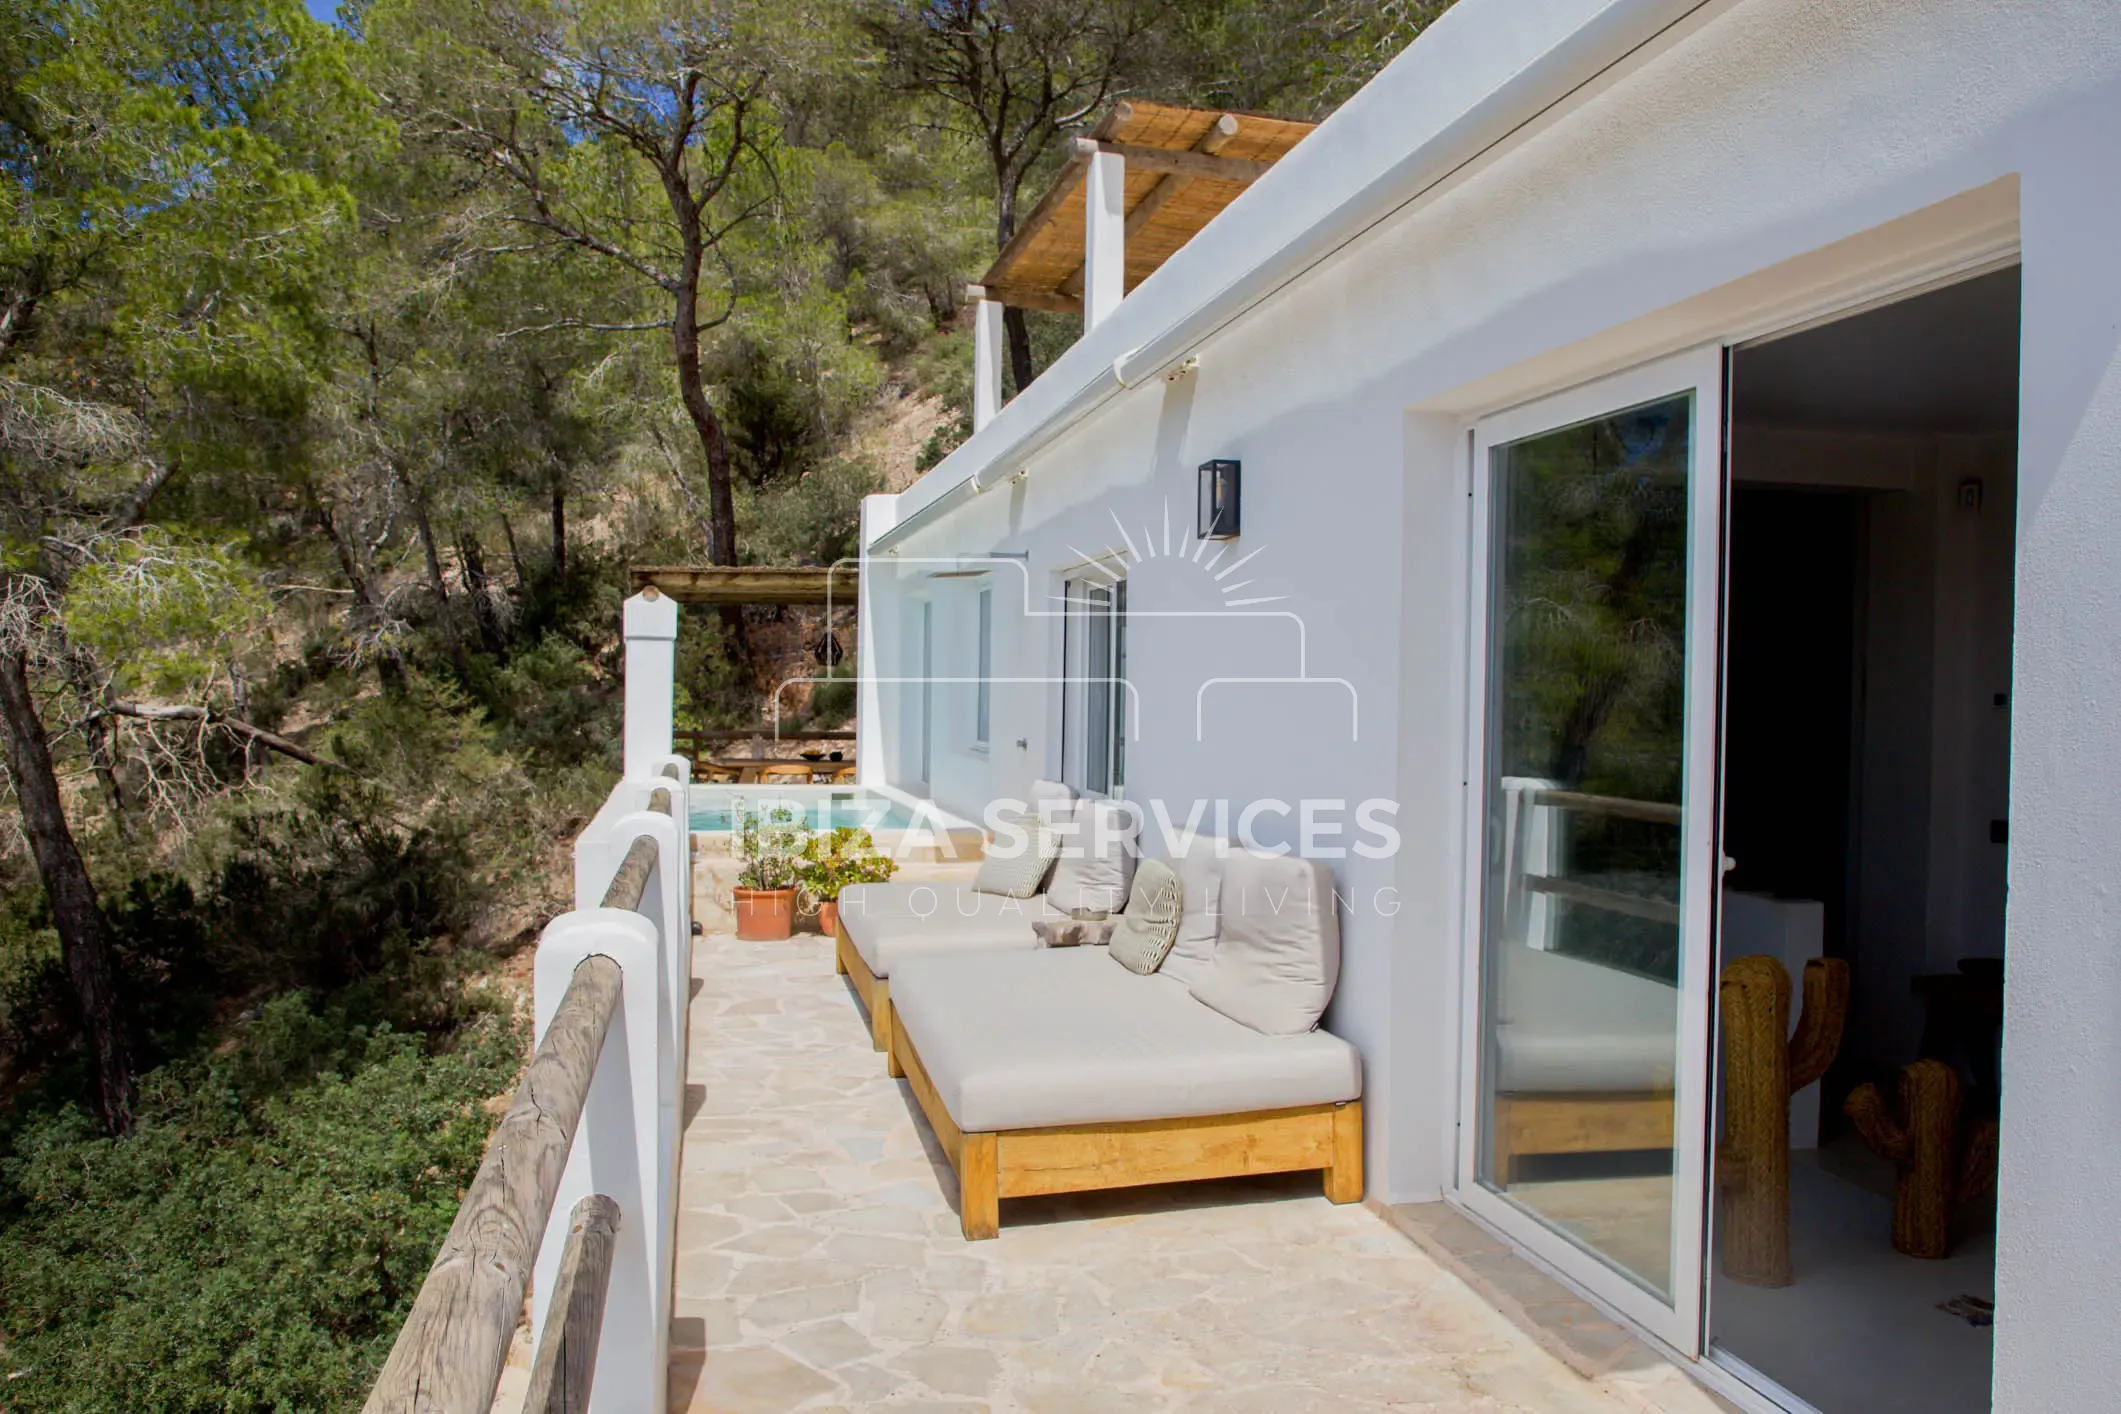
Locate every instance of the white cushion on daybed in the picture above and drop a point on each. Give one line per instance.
(902, 897)
(1199, 862)
(1029, 1040)
(964, 922)
(1564, 1025)
(1277, 959)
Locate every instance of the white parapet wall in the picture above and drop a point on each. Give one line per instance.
(628, 1143)
(651, 626)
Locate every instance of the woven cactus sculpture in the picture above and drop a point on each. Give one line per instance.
(1936, 1175)
(1763, 1065)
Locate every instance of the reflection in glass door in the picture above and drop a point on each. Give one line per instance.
(1600, 511)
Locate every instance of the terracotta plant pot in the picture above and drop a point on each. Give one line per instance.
(828, 918)
(765, 915)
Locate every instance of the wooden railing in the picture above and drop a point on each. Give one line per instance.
(606, 1071)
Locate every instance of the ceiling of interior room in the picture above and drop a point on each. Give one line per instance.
(1946, 361)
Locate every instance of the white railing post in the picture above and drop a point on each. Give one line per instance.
(651, 624)
(879, 514)
(1104, 233)
(988, 342)
(617, 1152)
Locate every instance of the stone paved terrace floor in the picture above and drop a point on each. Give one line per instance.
(820, 1265)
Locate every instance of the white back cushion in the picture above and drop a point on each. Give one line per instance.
(1199, 863)
(1278, 957)
(1096, 864)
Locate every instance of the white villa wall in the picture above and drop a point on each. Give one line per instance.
(1763, 160)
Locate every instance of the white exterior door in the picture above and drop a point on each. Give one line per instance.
(1592, 771)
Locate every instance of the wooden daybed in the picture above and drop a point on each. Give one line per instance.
(1059, 1071)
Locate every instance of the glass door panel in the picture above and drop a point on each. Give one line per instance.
(1600, 512)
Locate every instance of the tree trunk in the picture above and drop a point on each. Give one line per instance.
(559, 530)
(1019, 348)
(83, 934)
(390, 668)
(101, 736)
(435, 582)
(515, 552)
(480, 588)
(1013, 322)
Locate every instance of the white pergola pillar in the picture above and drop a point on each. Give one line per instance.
(651, 622)
(988, 341)
(1104, 233)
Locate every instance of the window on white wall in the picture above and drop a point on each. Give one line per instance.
(983, 693)
(1093, 693)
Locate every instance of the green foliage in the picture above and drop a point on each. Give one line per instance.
(832, 700)
(167, 609)
(257, 1240)
(835, 858)
(768, 838)
(812, 519)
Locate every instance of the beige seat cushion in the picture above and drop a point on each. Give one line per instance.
(1566, 1025)
(903, 898)
(967, 922)
(1029, 1040)
(1278, 956)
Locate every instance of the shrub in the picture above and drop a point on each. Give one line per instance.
(256, 1242)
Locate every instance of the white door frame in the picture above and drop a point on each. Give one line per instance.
(1701, 372)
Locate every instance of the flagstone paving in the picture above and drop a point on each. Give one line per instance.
(820, 1264)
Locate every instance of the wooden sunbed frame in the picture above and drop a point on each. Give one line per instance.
(1018, 1163)
(1593, 1122)
(874, 991)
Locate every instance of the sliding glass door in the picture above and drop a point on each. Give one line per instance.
(1598, 538)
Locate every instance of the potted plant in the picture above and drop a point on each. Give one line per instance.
(835, 859)
(769, 839)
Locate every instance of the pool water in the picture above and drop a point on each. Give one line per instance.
(820, 810)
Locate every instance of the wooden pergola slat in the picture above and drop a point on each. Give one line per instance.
(1183, 166)
(751, 584)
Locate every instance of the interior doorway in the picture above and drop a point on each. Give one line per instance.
(1866, 761)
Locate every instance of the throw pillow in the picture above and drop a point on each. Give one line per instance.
(1279, 954)
(1021, 873)
(1145, 932)
(1096, 864)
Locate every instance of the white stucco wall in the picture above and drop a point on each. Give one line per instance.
(1766, 153)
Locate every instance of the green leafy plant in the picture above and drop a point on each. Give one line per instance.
(770, 840)
(837, 858)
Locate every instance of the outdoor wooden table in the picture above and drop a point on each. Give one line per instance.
(750, 770)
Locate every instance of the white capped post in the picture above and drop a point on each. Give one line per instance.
(651, 622)
(988, 341)
(1104, 232)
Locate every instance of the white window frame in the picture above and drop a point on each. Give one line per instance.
(983, 690)
(1096, 690)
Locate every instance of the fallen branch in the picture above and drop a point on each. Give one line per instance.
(214, 717)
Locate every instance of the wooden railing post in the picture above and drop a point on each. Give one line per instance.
(448, 1356)
(566, 1364)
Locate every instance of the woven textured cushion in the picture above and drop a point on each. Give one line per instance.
(1021, 873)
(1026, 1040)
(1147, 929)
(1199, 862)
(1279, 954)
(1096, 863)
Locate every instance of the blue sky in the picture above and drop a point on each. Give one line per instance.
(324, 9)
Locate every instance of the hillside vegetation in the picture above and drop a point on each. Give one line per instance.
(343, 369)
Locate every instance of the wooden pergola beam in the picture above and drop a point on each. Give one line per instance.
(1184, 164)
(750, 584)
(1052, 301)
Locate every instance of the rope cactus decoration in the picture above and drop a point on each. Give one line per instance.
(1936, 1176)
(1763, 1065)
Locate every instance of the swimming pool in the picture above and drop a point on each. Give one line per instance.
(819, 808)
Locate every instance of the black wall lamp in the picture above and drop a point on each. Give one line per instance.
(1218, 501)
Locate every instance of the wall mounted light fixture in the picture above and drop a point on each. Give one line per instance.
(1217, 519)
